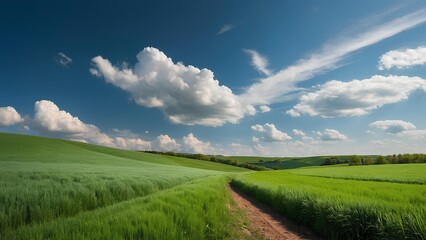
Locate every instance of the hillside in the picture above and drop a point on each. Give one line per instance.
(49, 182)
(22, 148)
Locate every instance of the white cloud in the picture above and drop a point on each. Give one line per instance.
(237, 149)
(51, 118)
(270, 133)
(357, 97)
(259, 62)
(393, 126)
(302, 135)
(332, 135)
(165, 143)
(226, 28)
(192, 144)
(186, 94)
(63, 59)
(298, 133)
(52, 121)
(255, 139)
(9, 116)
(132, 143)
(277, 87)
(413, 134)
(265, 108)
(401, 59)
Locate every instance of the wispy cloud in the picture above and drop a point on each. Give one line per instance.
(226, 28)
(62, 59)
(259, 62)
(276, 87)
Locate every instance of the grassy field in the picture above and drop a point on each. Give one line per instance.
(48, 186)
(402, 173)
(290, 163)
(248, 159)
(57, 189)
(279, 162)
(345, 209)
(196, 210)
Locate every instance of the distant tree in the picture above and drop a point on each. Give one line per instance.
(355, 160)
(381, 160)
(367, 161)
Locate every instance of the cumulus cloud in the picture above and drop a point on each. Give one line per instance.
(192, 144)
(186, 94)
(356, 97)
(401, 59)
(9, 116)
(393, 126)
(51, 118)
(400, 128)
(265, 108)
(226, 28)
(52, 121)
(302, 135)
(132, 143)
(277, 87)
(62, 59)
(332, 135)
(259, 62)
(270, 133)
(166, 144)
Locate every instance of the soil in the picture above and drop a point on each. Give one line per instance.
(263, 222)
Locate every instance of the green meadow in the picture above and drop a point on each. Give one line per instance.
(402, 173)
(347, 208)
(58, 189)
(50, 186)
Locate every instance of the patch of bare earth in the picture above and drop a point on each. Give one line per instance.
(264, 222)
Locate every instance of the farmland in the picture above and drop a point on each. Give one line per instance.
(342, 208)
(56, 189)
(48, 186)
(401, 173)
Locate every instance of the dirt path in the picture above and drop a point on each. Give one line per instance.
(266, 223)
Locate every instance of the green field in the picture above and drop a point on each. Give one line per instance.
(50, 186)
(346, 209)
(279, 162)
(402, 173)
(58, 189)
(290, 163)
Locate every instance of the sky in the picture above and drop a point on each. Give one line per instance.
(267, 78)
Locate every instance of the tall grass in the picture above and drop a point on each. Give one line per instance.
(343, 209)
(43, 180)
(196, 210)
(402, 173)
(29, 197)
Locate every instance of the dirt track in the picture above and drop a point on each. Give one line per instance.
(266, 223)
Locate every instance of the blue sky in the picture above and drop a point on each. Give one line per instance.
(276, 78)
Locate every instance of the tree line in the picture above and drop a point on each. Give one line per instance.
(210, 158)
(389, 159)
